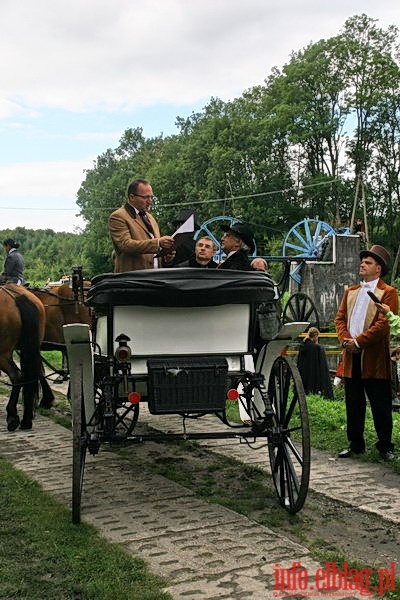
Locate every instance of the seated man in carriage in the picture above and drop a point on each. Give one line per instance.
(202, 258)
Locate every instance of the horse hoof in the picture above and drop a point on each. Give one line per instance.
(13, 423)
(26, 424)
(46, 405)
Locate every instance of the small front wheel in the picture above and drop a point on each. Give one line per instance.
(289, 436)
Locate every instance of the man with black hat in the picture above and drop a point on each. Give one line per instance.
(237, 242)
(364, 334)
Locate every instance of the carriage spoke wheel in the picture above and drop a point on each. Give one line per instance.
(289, 438)
(126, 418)
(307, 238)
(79, 448)
(299, 309)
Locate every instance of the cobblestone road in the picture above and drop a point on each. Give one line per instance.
(204, 550)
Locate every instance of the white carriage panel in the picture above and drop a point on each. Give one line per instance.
(101, 334)
(158, 331)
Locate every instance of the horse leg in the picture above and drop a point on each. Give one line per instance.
(65, 366)
(13, 420)
(47, 400)
(9, 367)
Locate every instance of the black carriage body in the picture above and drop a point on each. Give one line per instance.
(180, 287)
(202, 316)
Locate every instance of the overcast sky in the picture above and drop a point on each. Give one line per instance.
(75, 75)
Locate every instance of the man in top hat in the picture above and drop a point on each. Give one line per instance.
(364, 334)
(237, 242)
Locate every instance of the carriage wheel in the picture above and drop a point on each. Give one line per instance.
(79, 448)
(307, 238)
(127, 417)
(299, 309)
(289, 439)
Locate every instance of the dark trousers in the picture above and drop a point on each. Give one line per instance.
(380, 399)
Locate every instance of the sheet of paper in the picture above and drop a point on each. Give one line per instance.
(186, 227)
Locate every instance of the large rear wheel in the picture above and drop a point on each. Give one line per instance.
(289, 437)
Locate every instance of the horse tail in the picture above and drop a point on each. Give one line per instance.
(29, 342)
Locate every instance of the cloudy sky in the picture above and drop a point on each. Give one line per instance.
(76, 74)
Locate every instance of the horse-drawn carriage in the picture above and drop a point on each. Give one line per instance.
(186, 342)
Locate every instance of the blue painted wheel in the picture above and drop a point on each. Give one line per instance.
(307, 239)
(213, 230)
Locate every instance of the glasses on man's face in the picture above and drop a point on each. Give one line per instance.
(148, 197)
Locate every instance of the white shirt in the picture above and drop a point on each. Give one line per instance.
(357, 318)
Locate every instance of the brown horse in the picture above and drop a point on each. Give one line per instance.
(22, 324)
(62, 308)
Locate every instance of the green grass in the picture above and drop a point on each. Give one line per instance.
(328, 426)
(44, 557)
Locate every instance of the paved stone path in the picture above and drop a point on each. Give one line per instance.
(204, 550)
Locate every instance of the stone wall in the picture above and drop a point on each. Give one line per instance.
(325, 281)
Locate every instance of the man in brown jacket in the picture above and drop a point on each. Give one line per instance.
(135, 233)
(364, 335)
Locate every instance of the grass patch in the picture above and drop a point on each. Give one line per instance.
(328, 429)
(43, 556)
(328, 426)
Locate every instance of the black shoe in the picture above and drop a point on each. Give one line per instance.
(388, 455)
(347, 452)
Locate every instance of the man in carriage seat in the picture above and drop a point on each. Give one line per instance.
(237, 242)
(202, 258)
(135, 233)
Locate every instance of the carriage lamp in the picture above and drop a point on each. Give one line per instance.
(123, 353)
(232, 394)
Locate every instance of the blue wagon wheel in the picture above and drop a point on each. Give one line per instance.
(214, 232)
(307, 239)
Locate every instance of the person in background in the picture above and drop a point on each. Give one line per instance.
(13, 265)
(359, 228)
(364, 334)
(394, 324)
(237, 242)
(395, 357)
(259, 264)
(202, 258)
(393, 320)
(135, 233)
(313, 366)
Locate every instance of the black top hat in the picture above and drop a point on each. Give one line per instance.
(183, 216)
(243, 231)
(380, 254)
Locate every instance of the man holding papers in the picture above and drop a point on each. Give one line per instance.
(135, 233)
